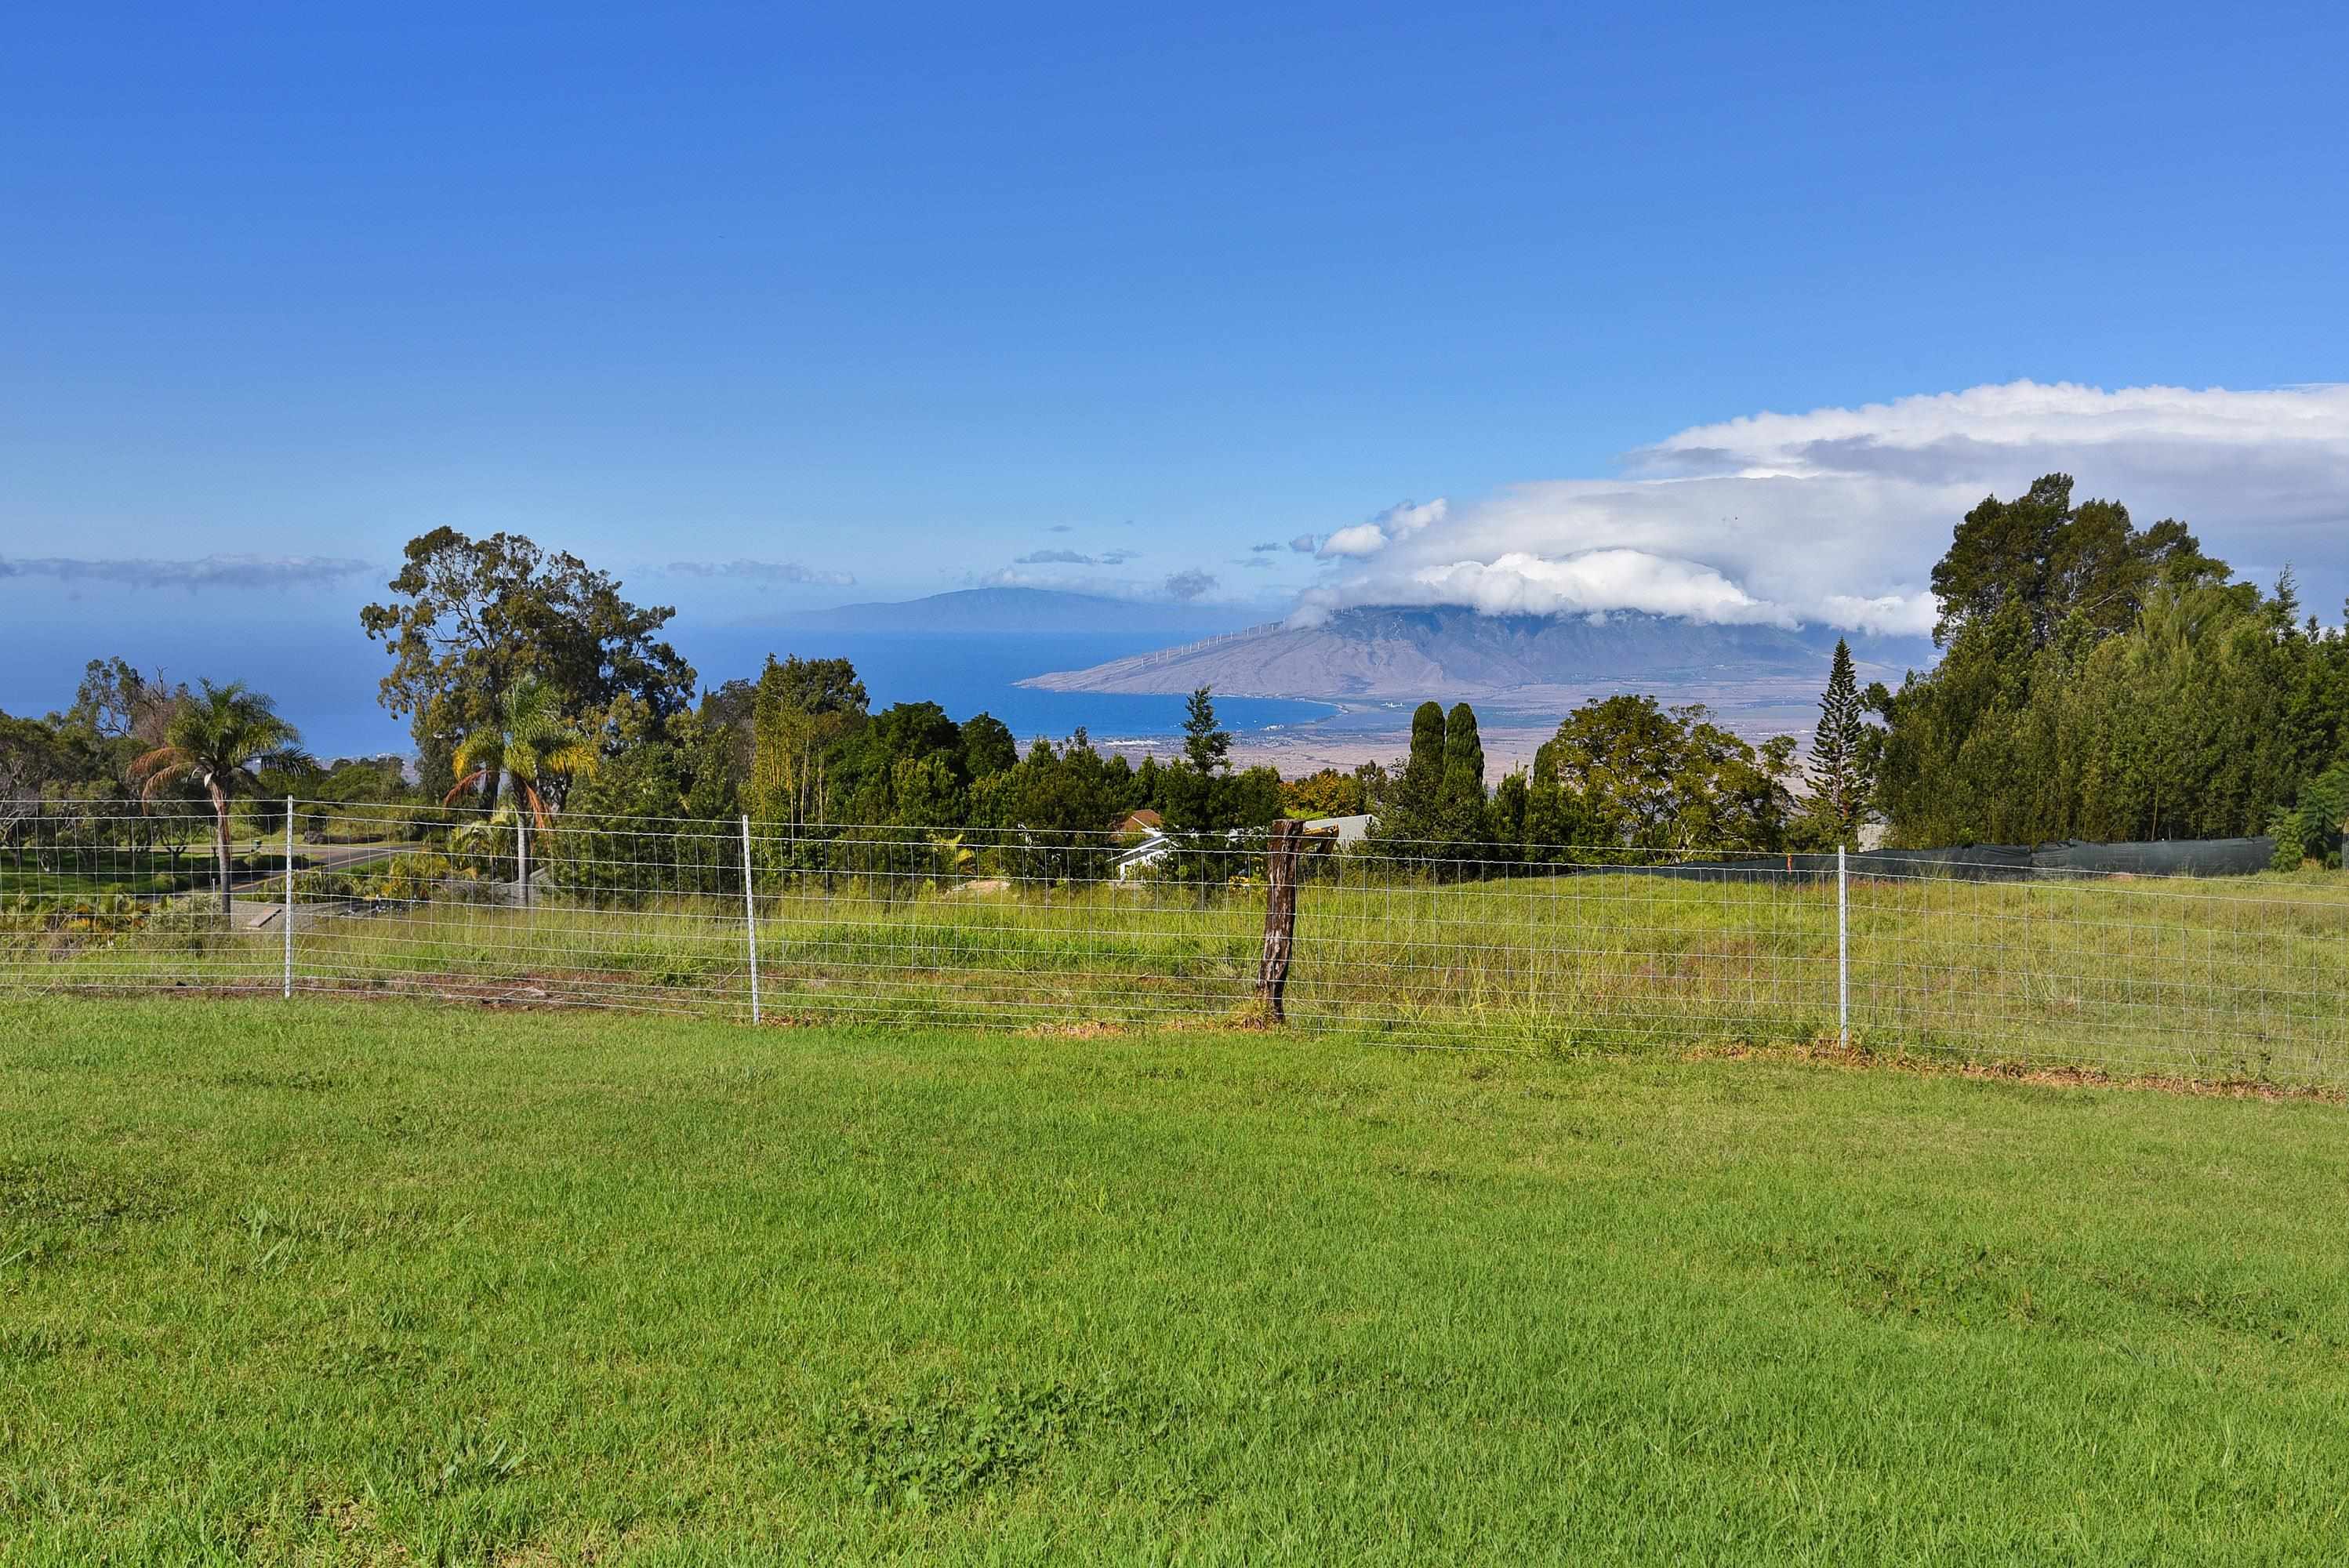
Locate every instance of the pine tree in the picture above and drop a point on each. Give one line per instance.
(1839, 781)
(1206, 746)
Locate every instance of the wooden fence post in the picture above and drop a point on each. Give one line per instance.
(1282, 852)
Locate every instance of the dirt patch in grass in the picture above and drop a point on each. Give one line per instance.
(1858, 1058)
(1080, 1029)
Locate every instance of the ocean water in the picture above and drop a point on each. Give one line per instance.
(968, 674)
(324, 676)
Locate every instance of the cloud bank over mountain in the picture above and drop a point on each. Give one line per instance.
(1836, 515)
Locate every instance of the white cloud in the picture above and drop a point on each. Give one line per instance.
(764, 571)
(1400, 522)
(1597, 579)
(273, 572)
(1837, 515)
(1362, 538)
(1367, 539)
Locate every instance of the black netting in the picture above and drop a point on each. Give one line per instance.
(1988, 862)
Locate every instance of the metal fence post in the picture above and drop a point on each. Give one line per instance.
(751, 917)
(1843, 952)
(287, 989)
(522, 852)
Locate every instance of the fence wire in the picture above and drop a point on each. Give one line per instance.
(1575, 947)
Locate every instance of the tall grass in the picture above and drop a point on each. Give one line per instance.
(2240, 977)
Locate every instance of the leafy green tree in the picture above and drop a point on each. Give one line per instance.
(987, 748)
(1646, 778)
(1251, 798)
(912, 745)
(803, 710)
(216, 741)
(637, 796)
(469, 618)
(118, 717)
(927, 792)
(1327, 792)
(2196, 722)
(1058, 805)
(725, 718)
(34, 758)
(2054, 560)
(2311, 827)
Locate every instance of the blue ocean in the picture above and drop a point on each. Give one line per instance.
(973, 673)
(324, 677)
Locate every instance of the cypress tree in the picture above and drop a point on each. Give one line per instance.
(1410, 814)
(1460, 813)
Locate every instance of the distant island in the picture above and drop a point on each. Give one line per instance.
(1024, 612)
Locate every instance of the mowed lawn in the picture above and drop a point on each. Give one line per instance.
(390, 1281)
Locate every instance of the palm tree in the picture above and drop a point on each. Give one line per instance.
(519, 755)
(216, 740)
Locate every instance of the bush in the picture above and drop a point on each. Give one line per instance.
(2311, 829)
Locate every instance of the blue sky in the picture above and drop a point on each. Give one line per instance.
(905, 295)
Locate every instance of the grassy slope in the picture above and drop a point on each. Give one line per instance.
(313, 1281)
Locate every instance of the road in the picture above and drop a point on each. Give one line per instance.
(323, 858)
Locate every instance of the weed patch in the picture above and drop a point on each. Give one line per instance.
(938, 1448)
(60, 1191)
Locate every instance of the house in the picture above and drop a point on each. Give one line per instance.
(1145, 854)
(1337, 833)
(1146, 820)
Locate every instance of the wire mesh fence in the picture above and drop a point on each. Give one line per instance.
(1571, 948)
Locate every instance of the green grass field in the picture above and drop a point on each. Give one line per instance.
(388, 1283)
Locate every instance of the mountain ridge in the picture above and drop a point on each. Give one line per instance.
(1391, 653)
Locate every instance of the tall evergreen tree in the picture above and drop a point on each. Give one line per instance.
(1206, 745)
(1553, 816)
(1195, 800)
(1839, 781)
(1409, 815)
(1460, 812)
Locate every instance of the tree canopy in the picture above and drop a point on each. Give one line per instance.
(469, 618)
(2055, 561)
